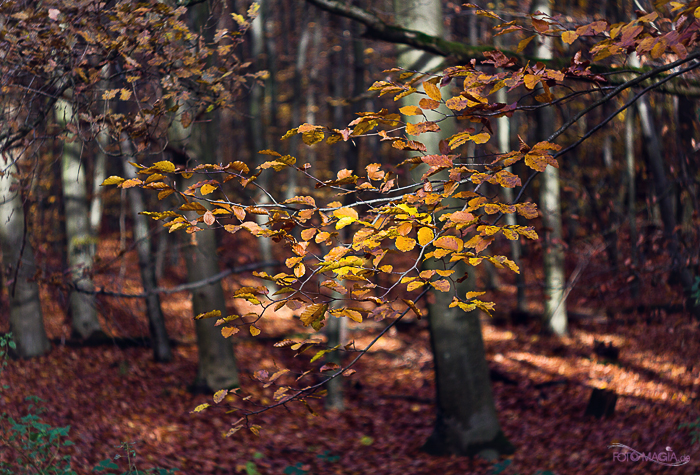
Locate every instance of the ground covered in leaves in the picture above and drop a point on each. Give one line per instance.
(110, 395)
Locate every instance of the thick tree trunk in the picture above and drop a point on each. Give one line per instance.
(555, 319)
(81, 243)
(142, 238)
(26, 321)
(466, 422)
(217, 363)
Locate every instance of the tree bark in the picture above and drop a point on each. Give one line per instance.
(217, 364)
(655, 163)
(553, 247)
(81, 243)
(142, 238)
(466, 421)
(19, 269)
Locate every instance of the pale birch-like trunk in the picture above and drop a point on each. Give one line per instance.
(466, 421)
(81, 243)
(19, 269)
(555, 318)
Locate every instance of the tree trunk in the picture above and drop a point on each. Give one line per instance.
(217, 363)
(554, 276)
(26, 321)
(257, 129)
(466, 422)
(655, 163)
(81, 243)
(630, 179)
(142, 238)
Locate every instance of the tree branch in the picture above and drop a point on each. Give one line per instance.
(459, 53)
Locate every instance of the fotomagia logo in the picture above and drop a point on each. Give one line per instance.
(667, 458)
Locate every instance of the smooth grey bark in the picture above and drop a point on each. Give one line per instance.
(142, 239)
(81, 242)
(99, 174)
(555, 318)
(503, 135)
(217, 363)
(466, 421)
(19, 269)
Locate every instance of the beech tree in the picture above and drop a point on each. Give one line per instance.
(389, 216)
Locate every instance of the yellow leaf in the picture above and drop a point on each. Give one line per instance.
(207, 189)
(415, 285)
(220, 395)
(124, 94)
(345, 212)
(213, 313)
(523, 44)
(480, 138)
(411, 110)
(111, 94)
(432, 91)
(569, 37)
(255, 331)
(413, 307)
(200, 408)
(425, 235)
(405, 244)
(531, 81)
(228, 331)
(313, 313)
(113, 180)
(164, 166)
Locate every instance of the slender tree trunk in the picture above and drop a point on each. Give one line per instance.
(257, 128)
(466, 421)
(142, 238)
(26, 321)
(81, 244)
(655, 163)
(631, 195)
(555, 318)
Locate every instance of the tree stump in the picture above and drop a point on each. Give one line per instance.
(602, 403)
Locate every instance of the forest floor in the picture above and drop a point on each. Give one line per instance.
(110, 395)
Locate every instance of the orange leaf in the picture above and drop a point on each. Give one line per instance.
(419, 128)
(405, 244)
(442, 285)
